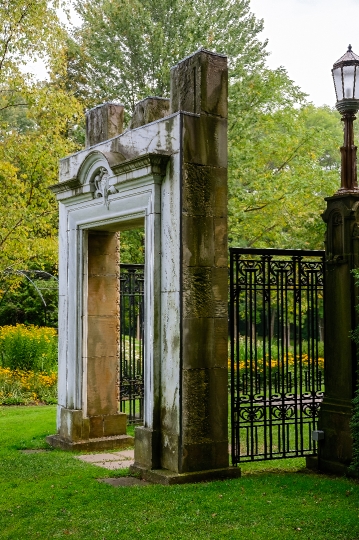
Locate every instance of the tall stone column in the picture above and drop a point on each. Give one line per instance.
(342, 256)
(190, 441)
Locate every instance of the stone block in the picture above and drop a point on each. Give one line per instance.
(205, 140)
(334, 420)
(149, 110)
(205, 405)
(70, 424)
(220, 291)
(114, 424)
(198, 343)
(102, 336)
(91, 445)
(102, 380)
(197, 241)
(199, 84)
(197, 292)
(220, 242)
(170, 445)
(96, 426)
(204, 190)
(205, 456)
(103, 295)
(195, 406)
(170, 478)
(147, 448)
(220, 343)
(218, 399)
(103, 122)
(103, 253)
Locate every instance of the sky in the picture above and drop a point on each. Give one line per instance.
(307, 37)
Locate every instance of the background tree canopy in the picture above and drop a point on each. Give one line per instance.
(283, 151)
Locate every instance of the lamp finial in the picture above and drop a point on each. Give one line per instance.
(349, 48)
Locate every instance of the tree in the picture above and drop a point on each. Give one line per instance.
(284, 160)
(283, 156)
(125, 48)
(37, 120)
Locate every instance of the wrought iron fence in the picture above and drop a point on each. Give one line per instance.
(277, 351)
(131, 359)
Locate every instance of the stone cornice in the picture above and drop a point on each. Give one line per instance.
(67, 185)
(157, 163)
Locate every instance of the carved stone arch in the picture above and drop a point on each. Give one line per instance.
(93, 163)
(96, 171)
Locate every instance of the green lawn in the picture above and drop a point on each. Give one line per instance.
(52, 495)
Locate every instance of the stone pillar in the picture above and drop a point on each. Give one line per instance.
(98, 425)
(104, 122)
(191, 442)
(342, 256)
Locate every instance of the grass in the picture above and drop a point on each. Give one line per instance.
(52, 495)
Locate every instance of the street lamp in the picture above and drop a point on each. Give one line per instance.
(346, 81)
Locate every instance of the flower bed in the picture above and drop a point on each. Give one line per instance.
(28, 365)
(18, 387)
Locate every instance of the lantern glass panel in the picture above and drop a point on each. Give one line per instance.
(348, 76)
(356, 95)
(337, 76)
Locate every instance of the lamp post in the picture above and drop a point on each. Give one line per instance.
(346, 81)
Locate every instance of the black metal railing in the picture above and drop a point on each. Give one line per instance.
(277, 351)
(131, 354)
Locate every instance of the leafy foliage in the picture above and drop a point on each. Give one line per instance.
(124, 59)
(283, 152)
(28, 348)
(37, 121)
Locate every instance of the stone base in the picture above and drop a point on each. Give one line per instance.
(330, 467)
(168, 478)
(91, 445)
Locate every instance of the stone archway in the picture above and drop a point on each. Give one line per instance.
(170, 174)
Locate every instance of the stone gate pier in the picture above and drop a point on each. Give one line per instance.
(168, 173)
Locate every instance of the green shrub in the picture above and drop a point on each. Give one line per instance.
(28, 348)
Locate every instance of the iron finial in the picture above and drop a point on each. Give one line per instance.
(349, 48)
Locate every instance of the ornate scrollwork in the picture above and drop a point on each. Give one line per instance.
(102, 188)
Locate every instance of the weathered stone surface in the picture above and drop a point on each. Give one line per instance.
(205, 456)
(199, 84)
(169, 478)
(147, 448)
(149, 110)
(205, 140)
(205, 408)
(102, 380)
(342, 255)
(91, 445)
(102, 336)
(103, 254)
(96, 427)
(182, 202)
(103, 297)
(220, 338)
(103, 123)
(205, 191)
(221, 242)
(198, 241)
(198, 343)
(197, 292)
(196, 406)
(114, 424)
